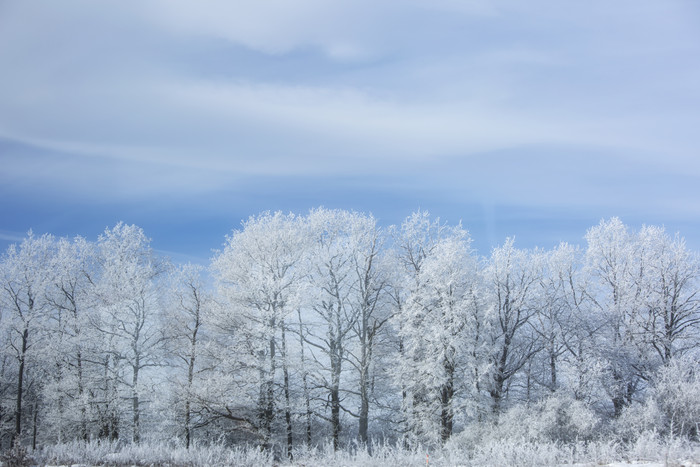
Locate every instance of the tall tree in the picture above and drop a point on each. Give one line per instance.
(671, 319)
(611, 260)
(71, 297)
(189, 313)
(438, 324)
(331, 280)
(131, 309)
(259, 277)
(512, 278)
(370, 308)
(25, 278)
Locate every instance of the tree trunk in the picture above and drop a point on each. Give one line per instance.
(287, 408)
(447, 392)
(81, 392)
(190, 379)
(267, 396)
(365, 361)
(335, 392)
(20, 384)
(135, 405)
(499, 377)
(364, 414)
(35, 417)
(335, 416)
(304, 380)
(621, 397)
(553, 370)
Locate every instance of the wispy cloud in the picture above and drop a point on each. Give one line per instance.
(502, 101)
(13, 237)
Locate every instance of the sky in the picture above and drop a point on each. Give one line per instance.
(529, 119)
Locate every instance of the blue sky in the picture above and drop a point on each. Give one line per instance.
(534, 119)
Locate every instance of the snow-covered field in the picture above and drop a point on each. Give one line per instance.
(647, 451)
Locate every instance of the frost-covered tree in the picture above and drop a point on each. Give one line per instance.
(371, 310)
(670, 319)
(321, 320)
(413, 242)
(512, 278)
(189, 314)
(617, 263)
(332, 282)
(259, 280)
(25, 278)
(439, 326)
(345, 314)
(130, 318)
(71, 297)
(567, 325)
(557, 314)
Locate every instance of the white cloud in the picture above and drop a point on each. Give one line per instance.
(272, 26)
(387, 84)
(242, 127)
(10, 236)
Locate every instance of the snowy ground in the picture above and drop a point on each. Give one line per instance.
(342, 459)
(615, 464)
(648, 451)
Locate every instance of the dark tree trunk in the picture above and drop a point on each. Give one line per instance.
(287, 408)
(190, 379)
(447, 393)
(336, 366)
(500, 378)
(20, 386)
(304, 379)
(81, 392)
(136, 420)
(267, 398)
(364, 415)
(335, 416)
(35, 419)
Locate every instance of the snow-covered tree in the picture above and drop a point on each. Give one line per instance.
(130, 318)
(259, 281)
(372, 312)
(25, 275)
(321, 320)
(512, 278)
(189, 314)
(71, 296)
(439, 328)
(670, 319)
(332, 282)
(618, 265)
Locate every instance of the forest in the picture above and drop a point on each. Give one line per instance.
(328, 332)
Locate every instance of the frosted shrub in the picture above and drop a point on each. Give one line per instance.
(100, 453)
(515, 453)
(562, 418)
(672, 407)
(637, 419)
(17, 456)
(677, 395)
(648, 447)
(558, 418)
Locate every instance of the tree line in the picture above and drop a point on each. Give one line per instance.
(327, 327)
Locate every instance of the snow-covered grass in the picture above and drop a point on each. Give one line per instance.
(162, 454)
(648, 449)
